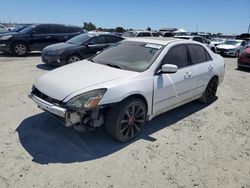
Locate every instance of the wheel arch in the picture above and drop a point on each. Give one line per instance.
(139, 96)
(20, 41)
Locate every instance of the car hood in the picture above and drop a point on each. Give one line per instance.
(8, 33)
(226, 46)
(64, 81)
(59, 46)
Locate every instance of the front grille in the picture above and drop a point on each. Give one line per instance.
(41, 95)
(222, 50)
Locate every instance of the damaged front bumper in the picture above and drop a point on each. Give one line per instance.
(65, 116)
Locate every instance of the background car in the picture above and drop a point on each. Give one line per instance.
(231, 47)
(217, 41)
(140, 33)
(3, 29)
(130, 83)
(36, 37)
(80, 47)
(198, 39)
(244, 58)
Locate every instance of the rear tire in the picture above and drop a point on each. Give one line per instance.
(237, 53)
(209, 94)
(19, 49)
(125, 120)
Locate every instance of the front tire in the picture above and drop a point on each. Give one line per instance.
(73, 59)
(209, 95)
(237, 53)
(125, 120)
(19, 49)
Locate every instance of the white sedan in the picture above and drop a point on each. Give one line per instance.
(130, 83)
(231, 47)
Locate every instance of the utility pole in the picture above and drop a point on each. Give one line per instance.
(249, 26)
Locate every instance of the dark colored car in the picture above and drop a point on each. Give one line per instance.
(36, 37)
(80, 47)
(244, 59)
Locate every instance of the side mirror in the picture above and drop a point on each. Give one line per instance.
(169, 68)
(87, 44)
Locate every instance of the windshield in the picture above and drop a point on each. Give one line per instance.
(129, 55)
(27, 29)
(232, 42)
(216, 40)
(17, 29)
(129, 34)
(79, 39)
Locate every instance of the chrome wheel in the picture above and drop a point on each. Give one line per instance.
(73, 59)
(133, 118)
(20, 49)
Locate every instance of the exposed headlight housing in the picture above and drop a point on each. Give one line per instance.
(88, 100)
(5, 37)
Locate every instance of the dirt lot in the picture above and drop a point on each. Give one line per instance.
(192, 146)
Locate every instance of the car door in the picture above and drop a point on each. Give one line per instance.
(173, 89)
(41, 36)
(60, 33)
(202, 68)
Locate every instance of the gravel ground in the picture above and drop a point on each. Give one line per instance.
(192, 146)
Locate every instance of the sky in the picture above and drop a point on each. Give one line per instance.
(226, 16)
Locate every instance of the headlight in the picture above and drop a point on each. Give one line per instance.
(86, 100)
(5, 37)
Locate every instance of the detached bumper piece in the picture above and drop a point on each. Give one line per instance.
(68, 118)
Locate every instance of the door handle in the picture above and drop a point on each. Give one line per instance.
(66, 37)
(187, 74)
(210, 67)
(48, 37)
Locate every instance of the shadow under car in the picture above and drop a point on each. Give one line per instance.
(48, 141)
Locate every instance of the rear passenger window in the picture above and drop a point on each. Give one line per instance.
(43, 29)
(59, 29)
(72, 29)
(198, 54)
(177, 56)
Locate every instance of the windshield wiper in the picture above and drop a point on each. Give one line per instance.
(115, 66)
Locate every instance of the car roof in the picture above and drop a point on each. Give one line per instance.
(158, 40)
(51, 24)
(100, 33)
(139, 31)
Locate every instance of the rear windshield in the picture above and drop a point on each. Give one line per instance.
(129, 34)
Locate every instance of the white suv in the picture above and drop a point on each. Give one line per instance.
(130, 83)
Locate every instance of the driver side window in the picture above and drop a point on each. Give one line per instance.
(177, 56)
(97, 40)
